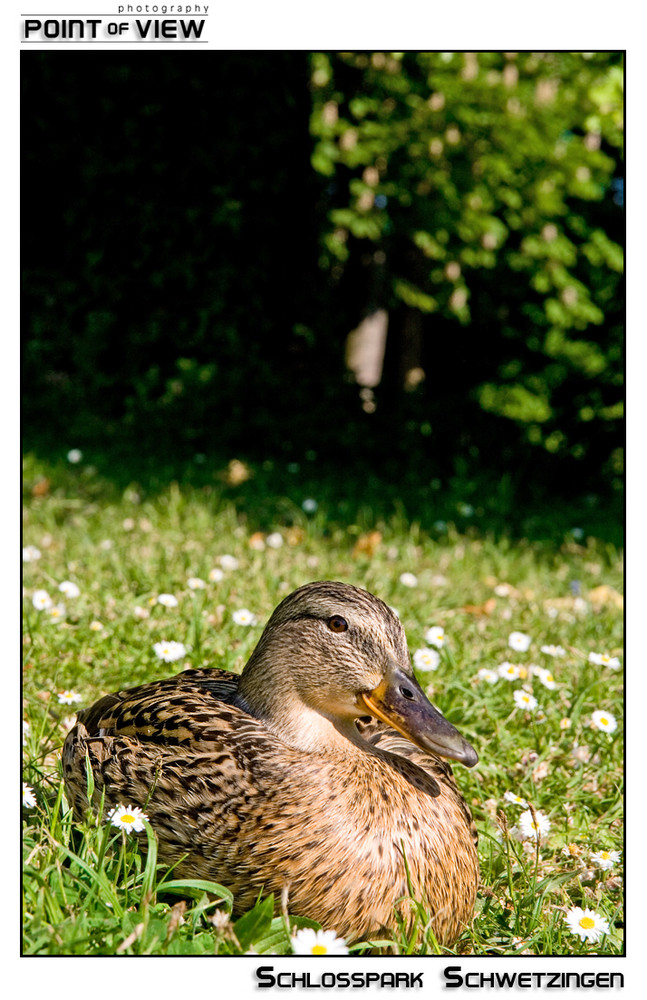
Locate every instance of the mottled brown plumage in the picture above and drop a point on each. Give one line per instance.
(280, 781)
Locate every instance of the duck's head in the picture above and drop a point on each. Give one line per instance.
(332, 653)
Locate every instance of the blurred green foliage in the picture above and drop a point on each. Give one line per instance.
(202, 234)
(480, 185)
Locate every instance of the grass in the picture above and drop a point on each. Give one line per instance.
(88, 890)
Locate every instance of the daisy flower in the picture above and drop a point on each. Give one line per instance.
(310, 942)
(519, 641)
(309, 505)
(588, 924)
(605, 859)
(56, 612)
(485, 674)
(28, 797)
(604, 660)
(534, 829)
(69, 589)
(195, 583)
(129, 818)
(524, 700)
(169, 651)
(515, 799)
(96, 626)
(228, 562)
(408, 580)
(510, 671)
(435, 636)
(545, 677)
(41, 600)
(275, 540)
(426, 659)
(168, 600)
(216, 575)
(30, 553)
(553, 650)
(74, 456)
(68, 697)
(243, 617)
(604, 721)
(565, 723)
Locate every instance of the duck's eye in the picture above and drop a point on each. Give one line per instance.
(407, 693)
(337, 624)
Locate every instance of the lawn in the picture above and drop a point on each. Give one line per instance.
(528, 666)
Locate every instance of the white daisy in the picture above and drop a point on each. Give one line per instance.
(605, 859)
(28, 797)
(310, 942)
(515, 799)
(545, 677)
(604, 660)
(168, 600)
(74, 456)
(195, 583)
(243, 617)
(532, 829)
(216, 575)
(68, 697)
(41, 600)
(96, 626)
(275, 540)
(435, 636)
(228, 562)
(408, 580)
(426, 659)
(553, 650)
(565, 723)
(169, 651)
(129, 818)
(604, 721)
(524, 700)
(510, 671)
(485, 674)
(588, 924)
(30, 553)
(56, 612)
(69, 589)
(519, 641)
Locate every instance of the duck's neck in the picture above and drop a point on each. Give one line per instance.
(282, 709)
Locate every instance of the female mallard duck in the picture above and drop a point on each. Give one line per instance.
(276, 780)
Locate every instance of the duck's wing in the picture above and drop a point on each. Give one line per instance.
(190, 708)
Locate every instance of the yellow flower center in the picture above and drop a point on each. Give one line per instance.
(605, 658)
(587, 923)
(604, 722)
(319, 949)
(604, 855)
(127, 818)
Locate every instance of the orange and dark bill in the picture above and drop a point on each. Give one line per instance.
(400, 702)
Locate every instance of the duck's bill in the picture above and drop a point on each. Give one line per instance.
(401, 703)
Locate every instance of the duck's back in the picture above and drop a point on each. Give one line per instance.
(230, 802)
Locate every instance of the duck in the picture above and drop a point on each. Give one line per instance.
(319, 774)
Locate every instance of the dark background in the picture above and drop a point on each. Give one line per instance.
(201, 233)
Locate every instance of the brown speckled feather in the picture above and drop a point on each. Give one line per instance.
(232, 801)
